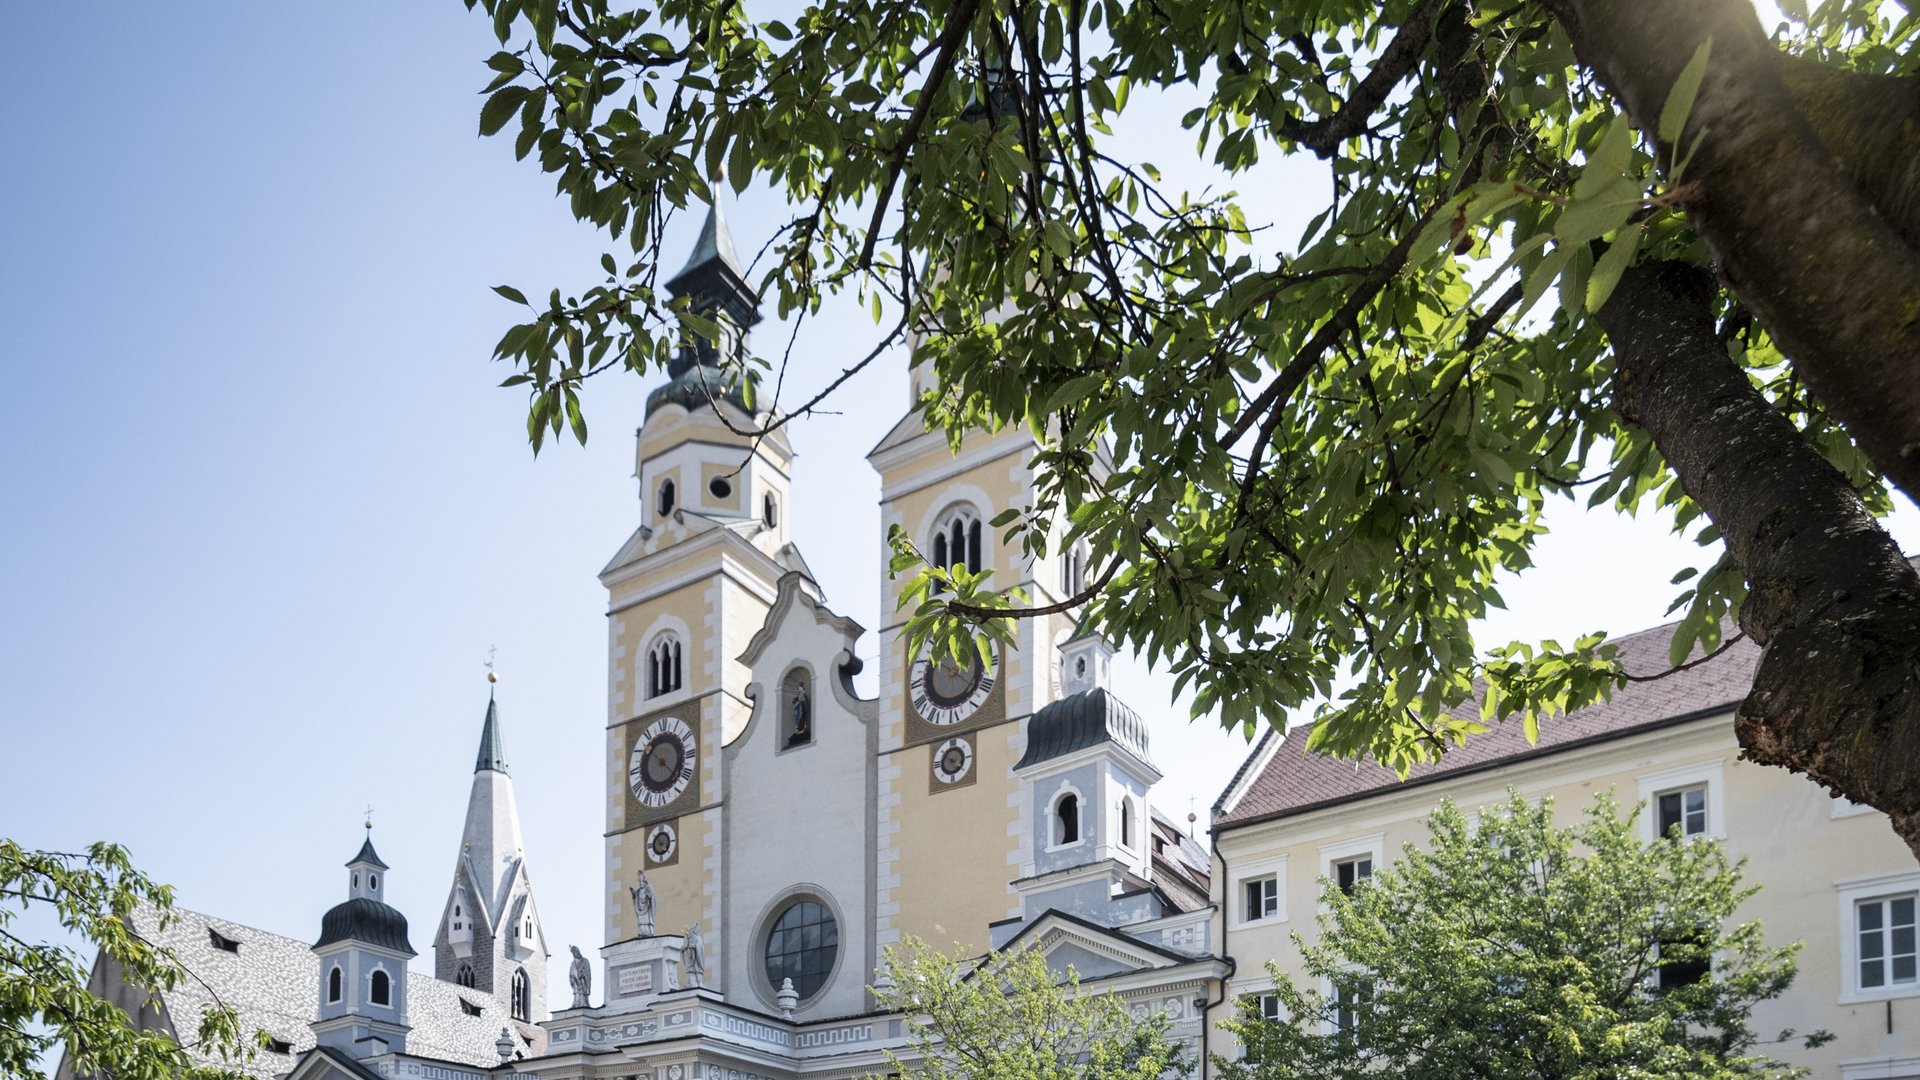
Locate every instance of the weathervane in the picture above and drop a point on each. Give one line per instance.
(369, 821)
(492, 675)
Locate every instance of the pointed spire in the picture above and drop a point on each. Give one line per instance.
(713, 250)
(367, 855)
(493, 755)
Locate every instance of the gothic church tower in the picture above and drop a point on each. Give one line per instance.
(685, 595)
(951, 815)
(490, 936)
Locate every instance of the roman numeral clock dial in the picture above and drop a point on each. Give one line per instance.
(663, 762)
(947, 691)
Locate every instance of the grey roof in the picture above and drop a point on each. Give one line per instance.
(367, 855)
(365, 920)
(1181, 868)
(493, 754)
(273, 984)
(1294, 781)
(713, 250)
(1080, 720)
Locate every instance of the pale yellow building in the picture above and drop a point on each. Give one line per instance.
(1832, 874)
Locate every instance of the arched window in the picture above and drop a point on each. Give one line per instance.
(334, 984)
(465, 975)
(1126, 822)
(663, 666)
(796, 709)
(956, 539)
(1066, 816)
(663, 502)
(769, 510)
(521, 995)
(380, 989)
(1073, 570)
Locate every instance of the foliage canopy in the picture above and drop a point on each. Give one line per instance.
(1325, 449)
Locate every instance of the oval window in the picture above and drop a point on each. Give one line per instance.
(802, 946)
(721, 487)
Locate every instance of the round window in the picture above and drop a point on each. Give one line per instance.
(721, 487)
(802, 946)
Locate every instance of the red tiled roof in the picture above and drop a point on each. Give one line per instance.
(1293, 781)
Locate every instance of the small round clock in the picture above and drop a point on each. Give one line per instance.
(952, 761)
(661, 842)
(663, 762)
(947, 691)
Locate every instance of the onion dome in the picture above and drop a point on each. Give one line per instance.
(367, 921)
(1078, 721)
(716, 289)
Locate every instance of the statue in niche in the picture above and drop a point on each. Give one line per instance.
(642, 906)
(580, 976)
(693, 958)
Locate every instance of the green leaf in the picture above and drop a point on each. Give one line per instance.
(1607, 271)
(1607, 162)
(512, 294)
(500, 108)
(1673, 115)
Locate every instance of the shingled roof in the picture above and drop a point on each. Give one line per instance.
(1280, 778)
(273, 984)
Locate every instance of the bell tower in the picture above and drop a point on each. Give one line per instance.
(951, 814)
(685, 594)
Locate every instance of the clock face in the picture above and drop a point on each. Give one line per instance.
(663, 762)
(661, 842)
(952, 761)
(947, 691)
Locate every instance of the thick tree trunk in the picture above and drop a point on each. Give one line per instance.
(1832, 602)
(1798, 231)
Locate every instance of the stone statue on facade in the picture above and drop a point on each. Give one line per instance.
(580, 976)
(693, 958)
(642, 906)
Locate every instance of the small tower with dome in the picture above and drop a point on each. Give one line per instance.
(363, 953)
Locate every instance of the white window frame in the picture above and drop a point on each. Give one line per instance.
(1258, 870)
(1374, 846)
(1851, 892)
(1053, 818)
(1329, 1026)
(1654, 784)
(392, 992)
(1904, 1067)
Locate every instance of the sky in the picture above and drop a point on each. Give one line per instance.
(265, 512)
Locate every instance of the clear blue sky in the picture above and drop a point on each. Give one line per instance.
(263, 510)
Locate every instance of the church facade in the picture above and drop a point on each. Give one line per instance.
(1000, 802)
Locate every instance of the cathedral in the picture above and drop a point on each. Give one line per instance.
(977, 806)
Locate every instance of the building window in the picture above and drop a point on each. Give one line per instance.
(1349, 1003)
(663, 502)
(1066, 820)
(1349, 873)
(279, 1046)
(222, 942)
(802, 945)
(1073, 570)
(380, 989)
(334, 984)
(1126, 822)
(769, 510)
(465, 975)
(521, 995)
(1684, 809)
(663, 666)
(720, 487)
(1681, 961)
(956, 540)
(373, 882)
(1884, 942)
(1269, 1006)
(469, 1007)
(458, 922)
(1260, 898)
(796, 709)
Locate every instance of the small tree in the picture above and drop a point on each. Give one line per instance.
(1011, 1018)
(44, 1000)
(1514, 949)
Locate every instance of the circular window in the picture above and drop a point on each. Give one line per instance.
(721, 487)
(802, 946)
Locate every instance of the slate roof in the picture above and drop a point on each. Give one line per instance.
(273, 984)
(1285, 780)
(1181, 867)
(367, 855)
(363, 919)
(1080, 720)
(493, 752)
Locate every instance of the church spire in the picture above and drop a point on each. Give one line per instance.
(492, 755)
(490, 936)
(714, 288)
